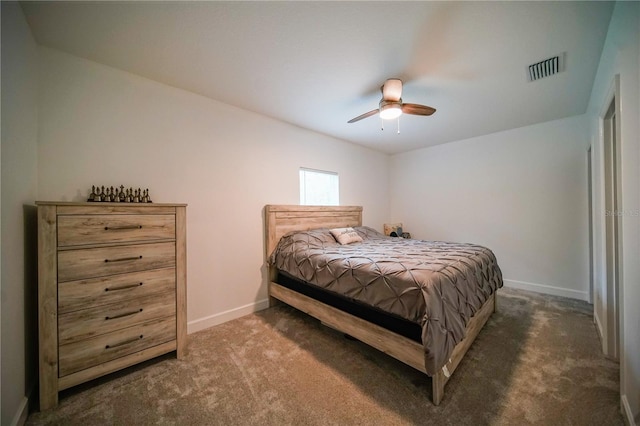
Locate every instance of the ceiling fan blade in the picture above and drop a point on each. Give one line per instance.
(416, 109)
(365, 115)
(392, 90)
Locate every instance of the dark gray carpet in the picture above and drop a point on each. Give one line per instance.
(537, 361)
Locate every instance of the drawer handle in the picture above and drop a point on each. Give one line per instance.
(126, 314)
(124, 287)
(124, 259)
(122, 228)
(124, 342)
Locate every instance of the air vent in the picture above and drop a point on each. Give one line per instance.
(546, 68)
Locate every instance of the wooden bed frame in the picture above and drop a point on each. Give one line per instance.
(281, 219)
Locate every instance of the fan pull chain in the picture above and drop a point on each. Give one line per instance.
(382, 124)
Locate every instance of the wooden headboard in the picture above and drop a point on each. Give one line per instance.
(280, 219)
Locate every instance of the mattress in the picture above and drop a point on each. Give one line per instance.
(391, 322)
(436, 285)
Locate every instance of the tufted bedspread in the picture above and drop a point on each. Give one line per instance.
(438, 285)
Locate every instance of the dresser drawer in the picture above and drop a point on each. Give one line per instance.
(86, 323)
(106, 347)
(82, 294)
(99, 229)
(103, 261)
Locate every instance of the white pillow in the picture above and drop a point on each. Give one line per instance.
(346, 235)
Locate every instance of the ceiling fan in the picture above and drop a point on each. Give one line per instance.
(391, 105)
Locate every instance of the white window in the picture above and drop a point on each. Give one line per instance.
(319, 188)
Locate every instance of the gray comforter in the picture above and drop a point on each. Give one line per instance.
(438, 285)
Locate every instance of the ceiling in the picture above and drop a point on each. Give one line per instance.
(318, 64)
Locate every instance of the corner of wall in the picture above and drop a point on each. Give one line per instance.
(19, 191)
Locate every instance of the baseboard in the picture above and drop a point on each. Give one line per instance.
(222, 317)
(596, 321)
(548, 289)
(626, 411)
(20, 418)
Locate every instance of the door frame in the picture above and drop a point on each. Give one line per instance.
(610, 318)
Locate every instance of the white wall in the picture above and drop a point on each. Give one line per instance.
(102, 126)
(19, 186)
(522, 193)
(621, 56)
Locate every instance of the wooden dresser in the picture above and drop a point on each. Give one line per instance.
(111, 289)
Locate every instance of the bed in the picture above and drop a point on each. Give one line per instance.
(407, 323)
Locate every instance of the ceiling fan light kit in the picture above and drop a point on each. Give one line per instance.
(391, 105)
(390, 110)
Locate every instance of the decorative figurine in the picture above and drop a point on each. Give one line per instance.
(113, 195)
